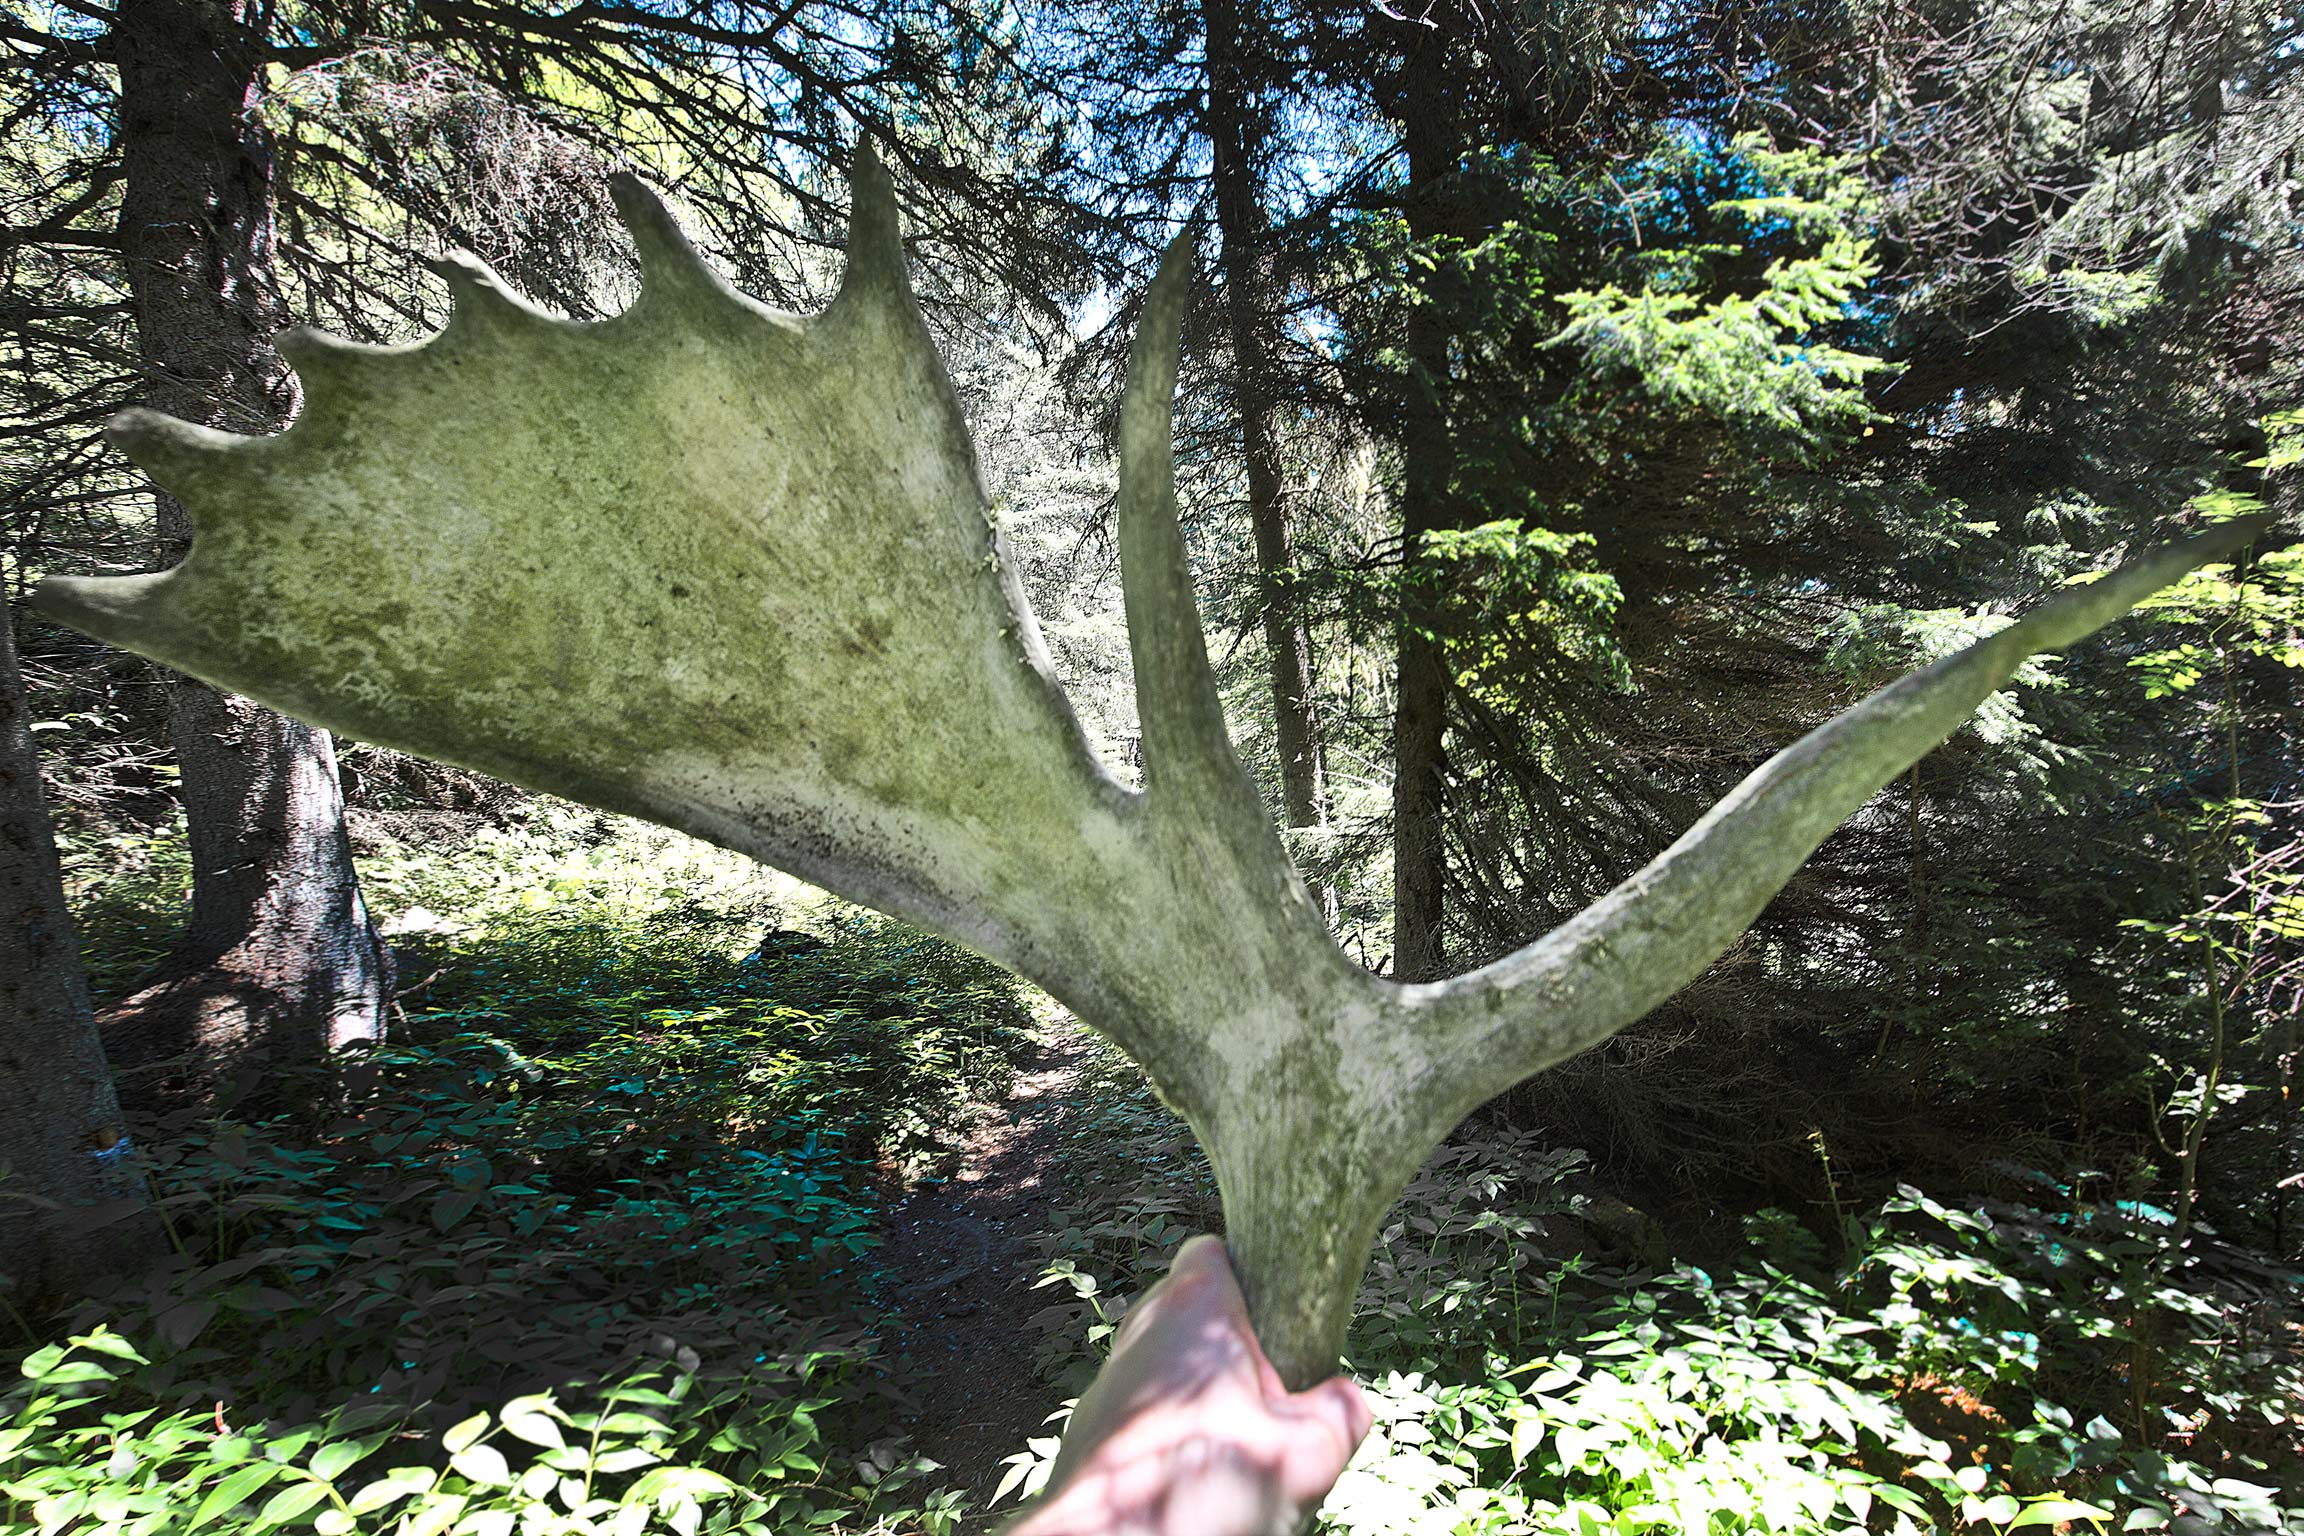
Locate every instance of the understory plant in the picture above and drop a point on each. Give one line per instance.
(588, 1247)
(1954, 1368)
(85, 1445)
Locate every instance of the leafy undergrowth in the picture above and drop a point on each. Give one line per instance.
(1957, 1370)
(587, 1247)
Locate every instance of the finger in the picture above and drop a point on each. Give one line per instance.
(1333, 1416)
(1268, 1377)
(1199, 1270)
(1203, 1269)
(1331, 1419)
(1336, 1403)
(1200, 1253)
(1341, 1395)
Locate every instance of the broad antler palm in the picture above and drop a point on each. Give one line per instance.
(732, 571)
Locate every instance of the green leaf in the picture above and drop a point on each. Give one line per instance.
(435, 1516)
(452, 1207)
(631, 1424)
(391, 1488)
(68, 1373)
(180, 1325)
(464, 1434)
(1858, 1498)
(1527, 1432)
(483, 1464)
(105, 1342)
(234, 1491)
(1902, 1498)
(535, 1429)
(1019, 1468)
(37, 1364)
(288, 1503)
(332, 1460)
(53, 1514)
(2055, 1510)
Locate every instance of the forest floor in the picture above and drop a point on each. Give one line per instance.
(698, 1143)
(965, 1251)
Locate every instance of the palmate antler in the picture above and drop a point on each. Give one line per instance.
(732, 571)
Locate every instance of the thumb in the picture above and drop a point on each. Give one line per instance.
(1330, 1420)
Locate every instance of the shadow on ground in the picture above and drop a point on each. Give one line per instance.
(962, 1332)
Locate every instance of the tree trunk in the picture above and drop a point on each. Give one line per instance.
(72, 1203)
(1420, 720)
(1235, 138)
(279, 959)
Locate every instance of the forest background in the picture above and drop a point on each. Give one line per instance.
(1580, 402)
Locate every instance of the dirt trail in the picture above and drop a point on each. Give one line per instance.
(962, 1323)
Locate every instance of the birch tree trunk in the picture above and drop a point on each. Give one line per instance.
(62, 1141)
(279, 959)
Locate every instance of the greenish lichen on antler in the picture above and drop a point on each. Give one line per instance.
(731, 570)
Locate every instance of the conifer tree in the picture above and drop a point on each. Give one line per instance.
(200, 172)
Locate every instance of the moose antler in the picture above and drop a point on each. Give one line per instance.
(731, 570)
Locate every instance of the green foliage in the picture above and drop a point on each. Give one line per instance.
(587, 1247)
(1145, 1187)
(2226, 613)
(1878, 642)
(1749, 361)
(1932, 1382)
(86, 1445)
(1985, 1370)
(2220, 612)
(1522, 600)
(130, 891)
(2237, 944)
(1733, 311)
(1462, 1254)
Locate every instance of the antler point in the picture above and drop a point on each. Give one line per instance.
(875, 237)
(665, 251)
(166, 445)
(307, 347)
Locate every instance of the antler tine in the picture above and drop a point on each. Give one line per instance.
(1186, 742)
(1656, 932)
(620, 562)
(1205, 812)
(669, 261)
(875, 234)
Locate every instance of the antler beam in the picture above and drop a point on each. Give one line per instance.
(732, 570)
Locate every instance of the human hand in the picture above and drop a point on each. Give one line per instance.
(1188, 1431)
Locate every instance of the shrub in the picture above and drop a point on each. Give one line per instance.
(588, 1246)
(84, 1445)
(1959, 1369)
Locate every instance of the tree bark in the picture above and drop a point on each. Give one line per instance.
(1235, 138)
(1420, 720)
(279, 959)
(72, 1201)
